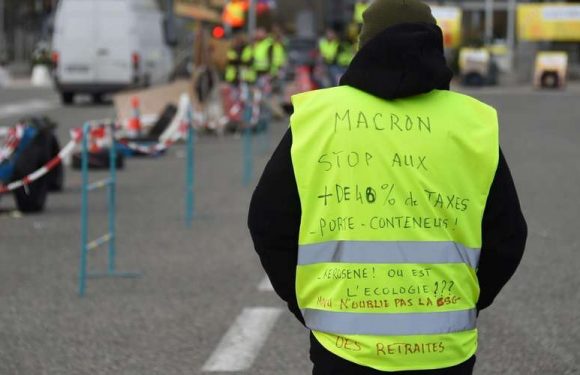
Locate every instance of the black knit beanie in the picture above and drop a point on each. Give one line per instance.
(382, 14)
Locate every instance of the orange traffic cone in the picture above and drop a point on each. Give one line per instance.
(134, 124)
(304, 79)
(97, 139)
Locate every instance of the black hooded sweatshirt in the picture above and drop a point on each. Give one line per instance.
(402, 61)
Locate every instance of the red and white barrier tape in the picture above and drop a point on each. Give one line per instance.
(77, 135)
(66, 150)
(159, 147)
(234, 111)
(13, 136)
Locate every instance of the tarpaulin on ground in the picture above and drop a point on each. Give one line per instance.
(153, 100)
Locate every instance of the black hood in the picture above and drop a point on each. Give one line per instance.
(403, 60)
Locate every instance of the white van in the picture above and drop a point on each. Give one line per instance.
(103, 46)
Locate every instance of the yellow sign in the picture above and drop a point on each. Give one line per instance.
(553, 22)
(449, 20)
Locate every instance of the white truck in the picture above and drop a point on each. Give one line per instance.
(103, 46)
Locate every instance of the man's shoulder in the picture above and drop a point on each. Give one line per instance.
(466, 99)
(320, 94)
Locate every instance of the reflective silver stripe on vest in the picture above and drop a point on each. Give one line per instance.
(387, 252)
(389, 324)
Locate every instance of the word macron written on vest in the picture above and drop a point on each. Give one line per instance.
(347, 121)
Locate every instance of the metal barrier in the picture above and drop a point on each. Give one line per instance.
(248, 149)
(190, 170)
(256, 118)
(111, 236)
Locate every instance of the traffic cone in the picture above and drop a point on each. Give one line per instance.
(134, 124)
(304, 80)
(97, 139)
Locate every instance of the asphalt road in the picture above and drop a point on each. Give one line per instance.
(181, 316)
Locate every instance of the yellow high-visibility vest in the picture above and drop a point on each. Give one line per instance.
(262, 61)
(256, 59)
(248, 73)
(328, 50)
(346, 54)
(278, 57)
(359, 9)
(392, 196)
(232, 70)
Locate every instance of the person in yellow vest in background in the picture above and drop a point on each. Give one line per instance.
(263, 57)
(387, 217)
(359, 9)
(277, 52)
(328, 49)
(234, 59)
(344, 56)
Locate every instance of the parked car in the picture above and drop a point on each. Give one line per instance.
(103, 46)
(35, 148)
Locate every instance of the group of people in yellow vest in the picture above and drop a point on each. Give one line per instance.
(266, 54)
(248, 62)
(337, 52)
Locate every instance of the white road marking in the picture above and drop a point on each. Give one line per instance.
(241, 344)
(26, 107)
(265, 285)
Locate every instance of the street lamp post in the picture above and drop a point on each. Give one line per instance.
(252, 19)
(2, 46)
(511, 31)
(488, 21)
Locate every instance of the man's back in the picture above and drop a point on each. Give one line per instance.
(392, 195)
(447, 143)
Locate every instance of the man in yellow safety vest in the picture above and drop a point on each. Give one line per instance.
(344, 56)
(277, 51)
(359, 8)
(232, 73)
(328, 48)
(387, 217)
(262, 58)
